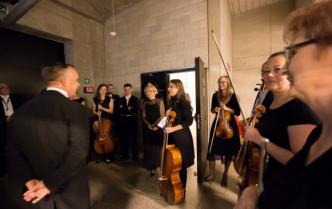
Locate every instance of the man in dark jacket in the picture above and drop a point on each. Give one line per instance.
(47, 148)
(128, 107)
(9, 103)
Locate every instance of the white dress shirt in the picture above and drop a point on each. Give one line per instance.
(7, 105)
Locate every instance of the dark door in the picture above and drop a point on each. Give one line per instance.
(201, 116)
(159, 80)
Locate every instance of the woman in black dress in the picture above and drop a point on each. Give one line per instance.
(226, 148)
(179, 133)
(153, 111)
(102, 105)
(285, 125)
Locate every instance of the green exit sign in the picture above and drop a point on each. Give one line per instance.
(86, 80)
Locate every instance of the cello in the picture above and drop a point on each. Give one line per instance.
(103, 143)
(170, 182)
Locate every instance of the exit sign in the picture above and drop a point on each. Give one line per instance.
(88, 89)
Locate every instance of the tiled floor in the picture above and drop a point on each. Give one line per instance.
(125, 185)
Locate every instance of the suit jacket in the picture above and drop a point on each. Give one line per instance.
(128, 109)
(3, 129)
(15, 102)
(116, 99)
(48, 140)
(115, 115)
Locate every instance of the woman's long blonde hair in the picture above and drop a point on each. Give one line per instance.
(229, 91)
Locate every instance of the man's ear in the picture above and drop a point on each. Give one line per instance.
(63, 81)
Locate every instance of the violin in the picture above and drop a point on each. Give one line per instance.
(103, 143)
(248, 163)
(223, 129)
(248, 155)
(170, 182)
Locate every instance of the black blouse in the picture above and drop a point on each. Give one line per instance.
(274, 123)
(298, 186)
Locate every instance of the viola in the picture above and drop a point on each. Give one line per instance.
(170, 182)
(248, 161)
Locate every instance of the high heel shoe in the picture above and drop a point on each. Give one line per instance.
(224, 181)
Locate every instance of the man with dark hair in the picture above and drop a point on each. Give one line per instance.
(47, 148)
(128, 107)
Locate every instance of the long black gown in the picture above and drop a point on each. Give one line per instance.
(152, 139)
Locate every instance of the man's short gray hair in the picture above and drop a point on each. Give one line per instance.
(54, 72)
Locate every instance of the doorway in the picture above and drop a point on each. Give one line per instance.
(195, 85)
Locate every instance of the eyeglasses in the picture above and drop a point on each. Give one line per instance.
(291, 50)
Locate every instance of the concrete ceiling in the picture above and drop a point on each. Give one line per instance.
(242, 6)
(104, 7)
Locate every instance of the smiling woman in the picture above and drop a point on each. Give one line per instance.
(305, 181)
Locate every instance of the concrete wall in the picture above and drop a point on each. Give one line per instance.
(81, 32)
(154, 36)
(256, 34)
(220, 21)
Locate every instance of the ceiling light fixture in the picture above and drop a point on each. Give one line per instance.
(113, 33)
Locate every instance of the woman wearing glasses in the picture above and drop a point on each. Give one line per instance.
(287, 121)
(285, 125)
(226, 147)
(305, 182)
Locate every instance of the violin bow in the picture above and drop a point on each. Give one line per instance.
(230, 80)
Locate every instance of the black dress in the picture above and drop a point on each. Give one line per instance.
(183, 138)
(300, 186)
(274, 123)
(105, 103)
(225, 147)
(152, 139)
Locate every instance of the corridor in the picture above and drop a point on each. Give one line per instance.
(125, 185)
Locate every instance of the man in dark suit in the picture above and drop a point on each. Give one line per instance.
(47, 148)
(128, 107)
(9, 103)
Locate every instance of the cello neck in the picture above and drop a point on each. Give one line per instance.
(100, 124)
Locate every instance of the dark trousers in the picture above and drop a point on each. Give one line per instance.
(128, 136)
(2, 148)
(183, 177)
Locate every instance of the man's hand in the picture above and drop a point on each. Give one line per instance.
(36, 191)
